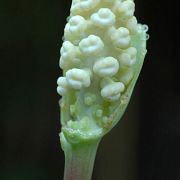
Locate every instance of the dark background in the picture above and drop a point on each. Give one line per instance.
(146, 143)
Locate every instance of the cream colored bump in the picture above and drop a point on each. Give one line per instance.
(68, 55)
(128, 57)
(68, 50)
(88, 4)
(125, 9)
(121, 38)
(132, 25)
(112, 91)
(103, 18)
(108, 66)
(62, 86)
(78, 6)
(76, 25)
(78, 78)
(126, 76)
(92, 45)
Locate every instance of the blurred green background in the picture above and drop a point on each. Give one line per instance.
(146, 143)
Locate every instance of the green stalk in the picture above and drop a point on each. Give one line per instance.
(79, 161)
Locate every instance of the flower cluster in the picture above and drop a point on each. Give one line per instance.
(102, 44)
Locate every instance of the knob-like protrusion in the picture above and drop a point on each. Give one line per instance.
(111, 90)
(76, 26)
(80, 6)
(103, 18)
(125, 9)
(62, 86)
(68, 55)
(128, 57)
(78, 78)
(92, 45)
(108, 66)
(132, 25)
(121, 38)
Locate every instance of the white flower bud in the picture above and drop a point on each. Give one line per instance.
(128, 57)
(103, 18)
(78, 78)
(121, 38)
(78, 6)
(126, 76)
(68, 55)
(62, 86)
(132, 25)
(92, 45)
(108, 66)
(125, 9)
(88, 4)
(76, 25)
(68, 50)
(112, 91)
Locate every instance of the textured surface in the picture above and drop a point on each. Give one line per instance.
(30, 42)
(102, 40)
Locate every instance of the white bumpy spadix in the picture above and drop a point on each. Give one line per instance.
(101, 58)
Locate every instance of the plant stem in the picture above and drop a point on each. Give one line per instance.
(79, 161)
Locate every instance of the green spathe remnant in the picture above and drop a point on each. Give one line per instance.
(101, 57)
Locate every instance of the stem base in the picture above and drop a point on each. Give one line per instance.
(79, 160)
